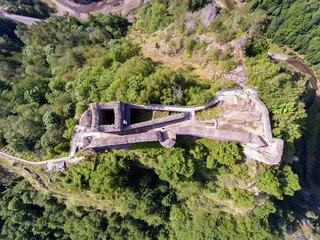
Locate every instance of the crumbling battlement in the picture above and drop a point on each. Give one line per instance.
(116, 109)
(222, 135)
(109, 124)
(121, 140)
(265, 117)
(155, 122)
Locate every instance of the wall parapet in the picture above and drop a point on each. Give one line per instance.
(175, 117)
(259, 144)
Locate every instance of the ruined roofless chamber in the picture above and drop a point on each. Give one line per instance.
(105, 117)
(115, 117)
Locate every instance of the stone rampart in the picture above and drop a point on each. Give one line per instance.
(229, 91)
(159, 107)
(172, 108)
(273, 156)
(264, 118)
(262, 147)
(133, 138)
(96, 113)
(223, 135)
(173, 118)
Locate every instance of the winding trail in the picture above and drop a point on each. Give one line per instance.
(83, 10)
(64, 8)
(307, 163)
(303, 68)
(56, 160)
(19, 18)
(71, 158)
(306, 69)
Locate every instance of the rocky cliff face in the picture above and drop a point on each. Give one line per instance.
(206, 15)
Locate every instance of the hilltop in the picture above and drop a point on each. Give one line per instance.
(164, 150)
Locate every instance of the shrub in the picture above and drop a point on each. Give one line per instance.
(224, 194)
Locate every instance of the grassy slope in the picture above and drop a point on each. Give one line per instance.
(177, 62)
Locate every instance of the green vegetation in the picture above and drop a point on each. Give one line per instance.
(295, 23)
(28, 214)
(208, 113)
(174, 168)
(141, 202)
(226, 153)
(201, 188)
(288, 185)
(31, 8)
(280, 94)
(66, 64)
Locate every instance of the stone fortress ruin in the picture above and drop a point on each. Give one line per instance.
(233, 115)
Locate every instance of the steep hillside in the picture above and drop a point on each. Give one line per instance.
(174, 53)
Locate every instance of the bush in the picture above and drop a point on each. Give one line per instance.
(200, 45)
(254, 48)
(228, 65)
(174, 166)
(226, 36)
(188, 46)
(187, 54)
(224, 194)
(225, 153)
(242, 198)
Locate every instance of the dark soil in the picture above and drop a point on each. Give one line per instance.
(230, 5)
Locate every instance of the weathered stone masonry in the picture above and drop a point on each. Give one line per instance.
(109, 125)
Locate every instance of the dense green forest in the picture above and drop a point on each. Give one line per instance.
(151, 209)
(29, 214)
(296, 24)
(51, 71)
(31, 8)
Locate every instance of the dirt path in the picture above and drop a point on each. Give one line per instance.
(306, 69)
(19, 18)
(303, 68)
(104, 6)
(56, 160)
(61, 8)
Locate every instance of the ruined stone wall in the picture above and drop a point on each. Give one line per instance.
(229, 91)
(172, 108)
(273, 156)
(169, 119)
(86, 119)
(119, 115)
(262, 147)
(264, 118)
(133, 138)
(219, 134)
